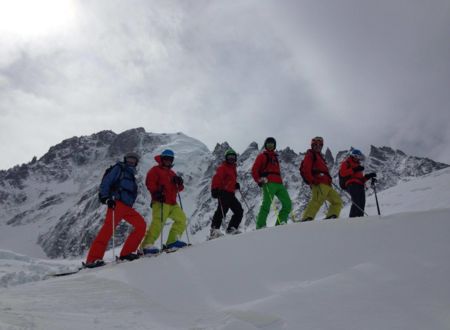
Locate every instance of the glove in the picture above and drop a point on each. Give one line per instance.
(111, 203)
(178, 180)
(215, 193)
(103, 200)
(358, 168)
(262, 181)
(237, 186)
(370, 176)
(159, 196)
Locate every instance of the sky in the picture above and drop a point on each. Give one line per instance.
(355, 72)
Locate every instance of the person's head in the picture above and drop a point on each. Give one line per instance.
(131, 159)
(270, 144)
(317, 143)
(167, 157)
(357, 154)
(230, 156)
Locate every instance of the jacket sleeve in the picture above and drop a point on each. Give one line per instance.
(109, 180)
(151, 181)
(256, 168)
(217, 179)
(345, 169)
(307, 166)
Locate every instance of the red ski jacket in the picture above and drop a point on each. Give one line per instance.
(346, 170)
(267, 165)
(161, 178)
(315, 168)
(225, 177)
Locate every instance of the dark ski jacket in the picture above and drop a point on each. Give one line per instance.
(120, 183)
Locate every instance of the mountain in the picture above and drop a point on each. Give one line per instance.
(50, 205)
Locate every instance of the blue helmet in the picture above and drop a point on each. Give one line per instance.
(357, 154)
(168, 153)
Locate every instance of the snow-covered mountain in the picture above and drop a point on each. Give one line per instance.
(52, 201)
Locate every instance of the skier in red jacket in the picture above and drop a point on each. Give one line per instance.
(351, 170)
(164, 185)
(223, 186)
(314, 171)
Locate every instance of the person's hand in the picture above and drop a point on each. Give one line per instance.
(370, 176)
(215, 193)
(159, 196)
(237, 186)
(262, 181)
(111, 203)
(178, 180)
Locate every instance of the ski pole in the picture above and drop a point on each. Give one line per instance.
(189, 220)
(372, 183)
(162, 225)
(273, 206)
(113, 231)
(351, 200)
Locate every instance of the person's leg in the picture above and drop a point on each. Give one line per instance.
(286, 203)
(316, 201)
(134, 239)
(179, 225)
(335, 203)
(265, 206)
(154, 229)
(237, 210)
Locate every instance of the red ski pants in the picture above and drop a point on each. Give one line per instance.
(131, 244)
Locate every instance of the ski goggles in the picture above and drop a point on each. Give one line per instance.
(167, 159)
(231, 157)
(270, 145)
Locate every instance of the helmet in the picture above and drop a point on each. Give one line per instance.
(270, 140)
(168, 153)
(230, 154)
(131, 155)
(356, 153)
(317, 140)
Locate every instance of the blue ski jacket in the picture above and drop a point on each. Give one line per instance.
(120, 183)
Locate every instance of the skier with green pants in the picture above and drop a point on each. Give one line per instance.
(266, 173)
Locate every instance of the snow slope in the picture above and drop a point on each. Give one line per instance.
(369, 273)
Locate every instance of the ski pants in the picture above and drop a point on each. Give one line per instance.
(127, 213)
(160, 213)
(358, 195)
(271, 190)
(319, 194)
(227, 201)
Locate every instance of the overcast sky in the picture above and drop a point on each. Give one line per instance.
(353, 71)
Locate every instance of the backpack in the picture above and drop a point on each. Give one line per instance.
(343, 180)
(302, 169)
(114, 186)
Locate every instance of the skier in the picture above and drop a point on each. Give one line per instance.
(163, 185)
(118, 190)
(314, 171)
(351, 170)
(224, 183)
(266, 173)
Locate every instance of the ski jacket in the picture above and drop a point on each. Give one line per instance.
(120, 184)
(267, 165)
(225, 178)
(347, 170)
(315, 169)
(160, 178)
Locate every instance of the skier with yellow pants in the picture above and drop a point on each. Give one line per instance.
(164, 185)
(314, 171)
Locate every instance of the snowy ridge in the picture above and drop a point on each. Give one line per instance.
(370, 273)
(50, 206)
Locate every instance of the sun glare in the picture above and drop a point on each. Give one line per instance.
(36, 18)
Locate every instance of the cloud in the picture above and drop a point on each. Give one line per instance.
(357, 73)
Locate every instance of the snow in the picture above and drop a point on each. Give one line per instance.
(388, 272)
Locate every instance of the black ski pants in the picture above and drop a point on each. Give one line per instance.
(227, 201)
(358, 195)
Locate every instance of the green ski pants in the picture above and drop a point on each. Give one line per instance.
(270, 190)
